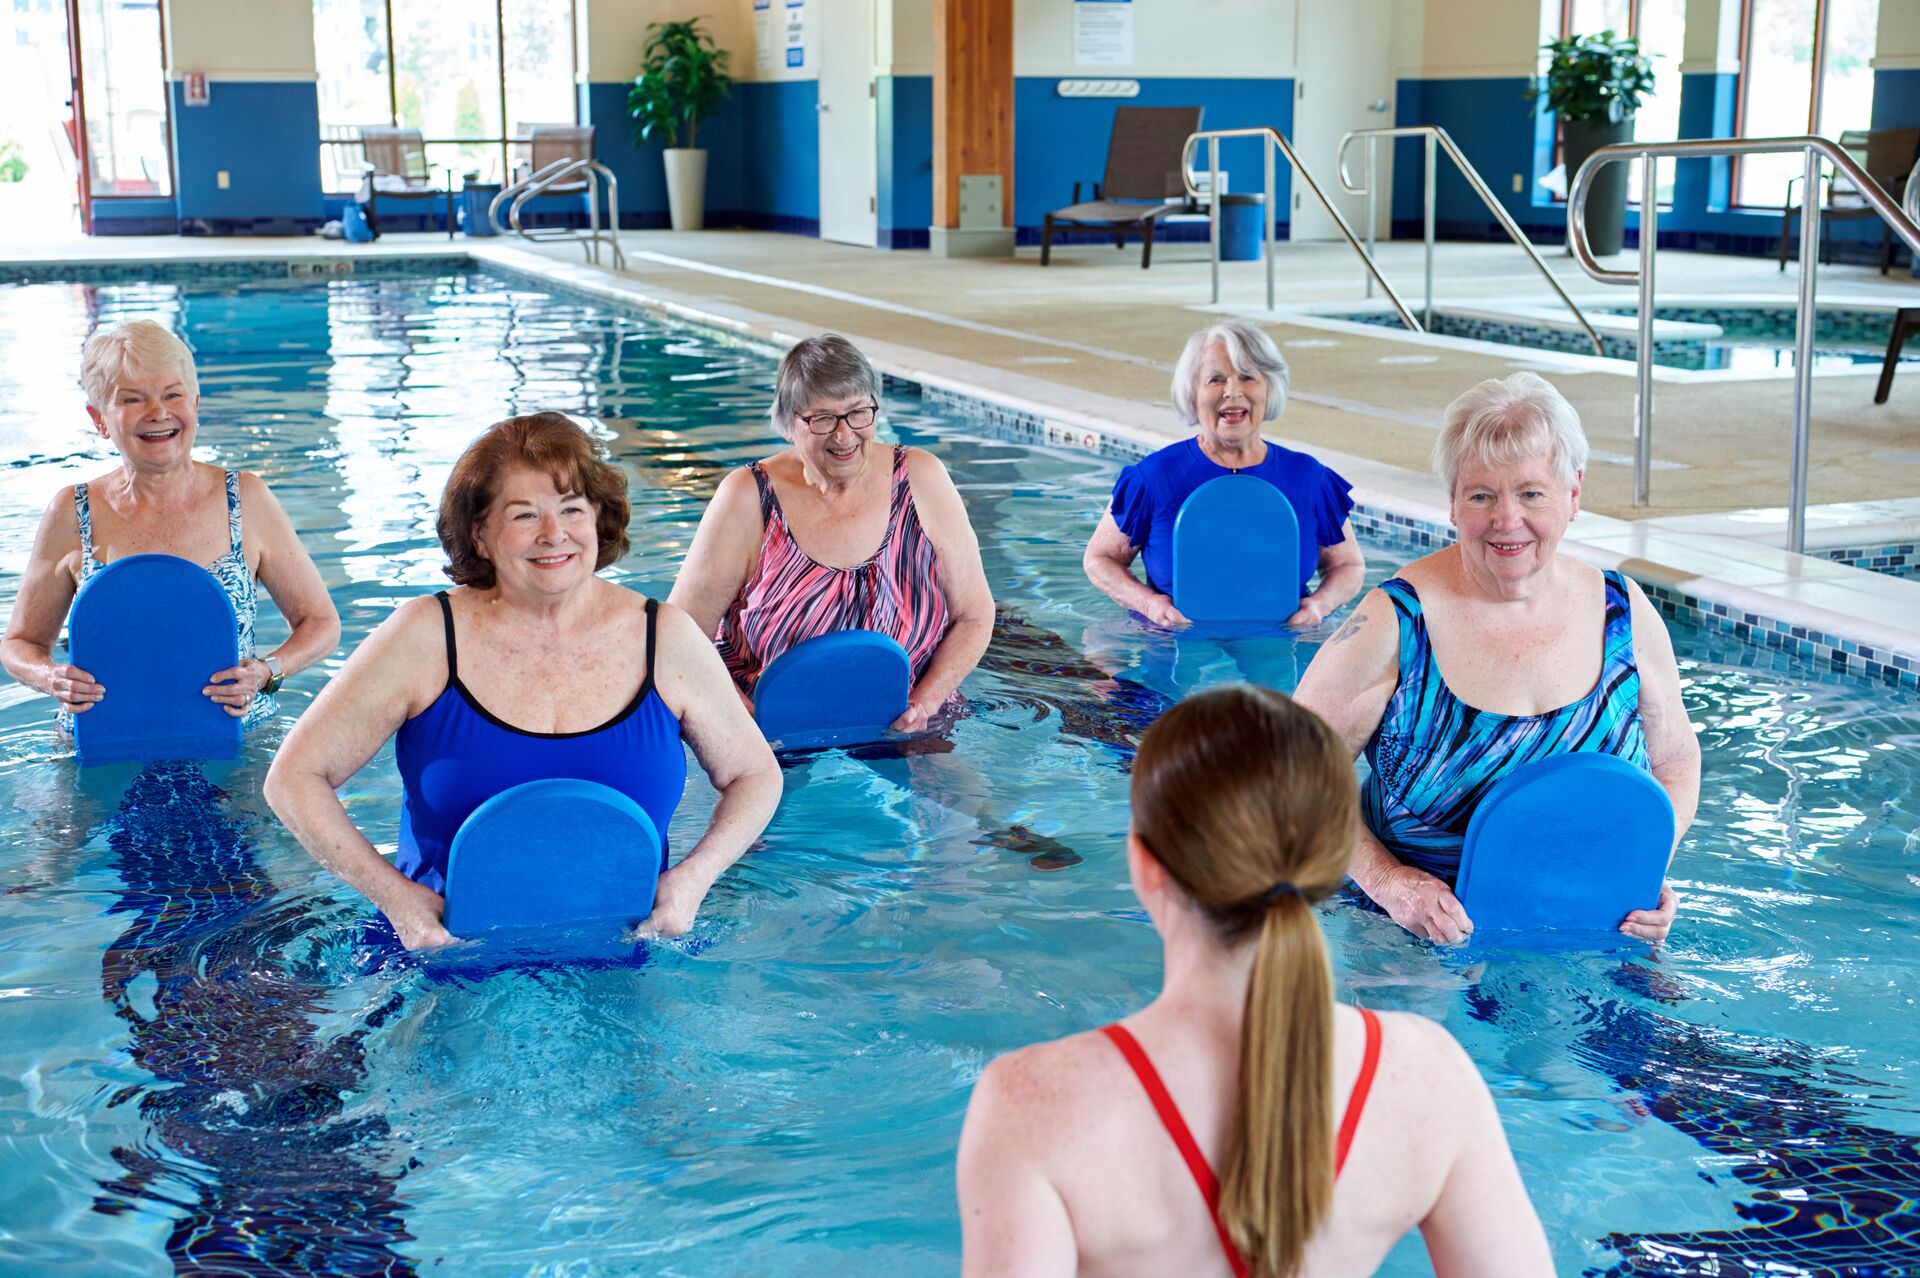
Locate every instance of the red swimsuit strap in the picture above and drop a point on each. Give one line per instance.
(1182, 1138)
(1197, 1165)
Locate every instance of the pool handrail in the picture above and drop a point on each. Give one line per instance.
(1437, 138)
(1271, 139)
(566, 171)
(1903, 223)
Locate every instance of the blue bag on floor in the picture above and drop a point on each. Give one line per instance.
(1574, 841)
(151, 630)
(550, 854)
(844, 688)
(1236, 552)
(354, 225)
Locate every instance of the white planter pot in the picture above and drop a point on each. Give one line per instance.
(686, 186)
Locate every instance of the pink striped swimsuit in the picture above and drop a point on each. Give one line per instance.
(790, 598)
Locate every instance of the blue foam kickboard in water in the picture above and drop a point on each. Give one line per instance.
(1236, 552)
(552, 852)
(151, 630)
(1574, 841)
(840, 689)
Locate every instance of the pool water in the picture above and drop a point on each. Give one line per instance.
(1752, 338)
(205, 1062)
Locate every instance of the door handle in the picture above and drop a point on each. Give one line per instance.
(1378, 106)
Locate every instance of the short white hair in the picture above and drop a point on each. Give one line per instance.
(1248, 349)
(1504, 420)
(137, 348)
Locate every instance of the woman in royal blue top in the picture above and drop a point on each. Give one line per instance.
(1230, 380)
(532, 667)
(1494, 653)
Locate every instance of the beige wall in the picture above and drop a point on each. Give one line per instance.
(613, 31)
(1463, 39)
(1899, 35)
(254, 40)
(1229, 38)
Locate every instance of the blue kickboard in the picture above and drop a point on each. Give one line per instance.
(152, 630)
(1236, 552)
(840, 689)
(549, 853)
(1574, 841)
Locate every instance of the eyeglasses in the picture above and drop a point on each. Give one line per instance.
(827, 423)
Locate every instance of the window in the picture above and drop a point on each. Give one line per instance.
(1805, 67)
(125, 90)
(450, 68)
(1660, 27)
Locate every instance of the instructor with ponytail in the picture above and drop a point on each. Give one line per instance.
(1243, 1122)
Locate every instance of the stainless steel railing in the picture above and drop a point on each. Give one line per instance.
(1272, 140)
(1436, 139)
(571, 173)
(1816, 150)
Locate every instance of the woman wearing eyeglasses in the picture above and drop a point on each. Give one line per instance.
(839, 531)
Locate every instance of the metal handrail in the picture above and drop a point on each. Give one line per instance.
(1436, 137)
(1272, 138)
(1904, 224)
(561, 171)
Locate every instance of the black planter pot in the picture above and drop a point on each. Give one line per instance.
(1607, 197)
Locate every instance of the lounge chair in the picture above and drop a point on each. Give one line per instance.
(396, 169)
(546, 144)
(1887, 155)
(1143, 169)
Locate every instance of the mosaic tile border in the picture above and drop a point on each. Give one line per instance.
(305, 268)
(1836, 655)
(1900, 560)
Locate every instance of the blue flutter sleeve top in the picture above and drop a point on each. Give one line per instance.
(1147, 497)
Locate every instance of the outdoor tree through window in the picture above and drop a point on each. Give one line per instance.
(1807, 68)
(470, 75)
(1660, 28)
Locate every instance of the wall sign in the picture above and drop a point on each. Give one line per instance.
(796, 32)
(766, 54)
(1102, 33)
(194, 88)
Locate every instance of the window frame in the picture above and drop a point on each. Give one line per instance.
(72, 8)
(500, 69)
(1821, 11)
(1559, 156)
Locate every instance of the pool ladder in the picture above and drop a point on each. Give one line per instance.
(572, 177)
(1273, 140)
(1905, 223)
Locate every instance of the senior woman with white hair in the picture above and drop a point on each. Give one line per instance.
(144, 398)
(1230, 379)
(839, 531)
(1492, 653)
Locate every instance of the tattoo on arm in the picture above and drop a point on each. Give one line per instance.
(1349, 630)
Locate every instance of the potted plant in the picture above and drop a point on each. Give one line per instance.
(682, 79)
(1595, 83)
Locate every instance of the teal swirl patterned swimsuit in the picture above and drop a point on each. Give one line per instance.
(1434, 756)
(230, 570)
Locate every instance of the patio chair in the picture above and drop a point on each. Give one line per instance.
(396, 168)
(1887, 155)
(545, 144)
(1143, 169)
(1906, 322)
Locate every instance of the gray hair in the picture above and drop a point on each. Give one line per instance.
(1505, 420)
(1249, 350)
(138, 348)
(823, 367)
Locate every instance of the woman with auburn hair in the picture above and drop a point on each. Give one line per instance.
(1097, 1154)
(533, 667)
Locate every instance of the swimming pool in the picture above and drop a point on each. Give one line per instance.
(198, 1061)
(1749, 338)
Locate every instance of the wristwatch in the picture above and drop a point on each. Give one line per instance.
(275, 676)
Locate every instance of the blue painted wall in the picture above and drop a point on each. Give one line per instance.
(266, 136)
(904, 144)
(145, 215)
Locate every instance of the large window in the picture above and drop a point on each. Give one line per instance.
(1660, 27)
(1805, 67)
(125, 90)
(470, 75)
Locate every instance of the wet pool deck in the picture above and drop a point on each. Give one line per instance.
(1089, 343)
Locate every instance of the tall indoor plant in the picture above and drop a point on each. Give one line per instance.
(1595, 83)
(683, 78)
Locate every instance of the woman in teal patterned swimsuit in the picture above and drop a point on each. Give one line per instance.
(1493, 653)
(144, 398)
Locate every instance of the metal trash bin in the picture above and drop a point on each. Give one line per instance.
(475, 198)
(1242, 227)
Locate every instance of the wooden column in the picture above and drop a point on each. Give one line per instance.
(972, 125)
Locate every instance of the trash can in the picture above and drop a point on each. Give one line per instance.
(1242, 219)
(475, 198)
